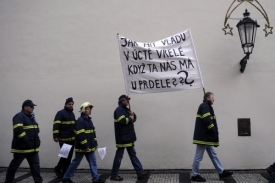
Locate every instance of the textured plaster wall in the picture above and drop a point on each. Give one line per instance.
(51, 50)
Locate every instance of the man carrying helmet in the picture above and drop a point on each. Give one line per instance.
(85, 144)
(63, 132)
(125, 137)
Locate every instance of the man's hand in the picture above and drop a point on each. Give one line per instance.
(132, 117)
(55, 139)
(131, 113)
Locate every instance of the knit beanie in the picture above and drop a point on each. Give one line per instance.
(70, 99)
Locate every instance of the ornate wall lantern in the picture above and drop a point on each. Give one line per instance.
(247, 28)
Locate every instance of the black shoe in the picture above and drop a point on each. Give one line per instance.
(270, 171)
(225, 174)
(58, 173)
(143, 175)
(67, 181)
(198, 178)
(98, 181)
(116, 178)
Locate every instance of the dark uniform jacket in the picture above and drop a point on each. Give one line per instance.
(124, 127)
(64, 125)
(25, 134)
(85, 135)
(206, 129)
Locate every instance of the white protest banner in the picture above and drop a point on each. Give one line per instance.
(102, 152)
(65, 150)
(167, 65)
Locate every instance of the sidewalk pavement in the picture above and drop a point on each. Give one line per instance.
(157, 176)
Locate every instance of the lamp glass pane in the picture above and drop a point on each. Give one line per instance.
(247, 49)
(255, 31)
(249, 33)
(242, 33)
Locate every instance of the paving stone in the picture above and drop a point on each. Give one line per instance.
(211, 178)
(48, 177)
(169, 176)
(251, 178)
(128, 178)
(3, 175)
(163, 178)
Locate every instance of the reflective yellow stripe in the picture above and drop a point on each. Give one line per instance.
(204, 115)
(83, 142)
(24, 151)
(67, 139)
(67, 122)
(56, 131)
(17, 125)
(22, 135)
(213, 117)
(57, 122)
(210, 126)
(81, 150)
(206, 143)
(125, 145)
(95, 139)
(120, 118)
(89, 131)
(127, 120)
(30, 126)
(80, 131)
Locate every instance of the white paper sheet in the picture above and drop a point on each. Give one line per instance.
(102, 152)
(65, 150)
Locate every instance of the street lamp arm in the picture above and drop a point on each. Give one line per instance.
(243, 62)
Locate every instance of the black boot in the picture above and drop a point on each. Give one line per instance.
(270, 171)
(98, 181)
(58, 172)
(143, 175)
(67, 181)
(225, 173)
(198, 178)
